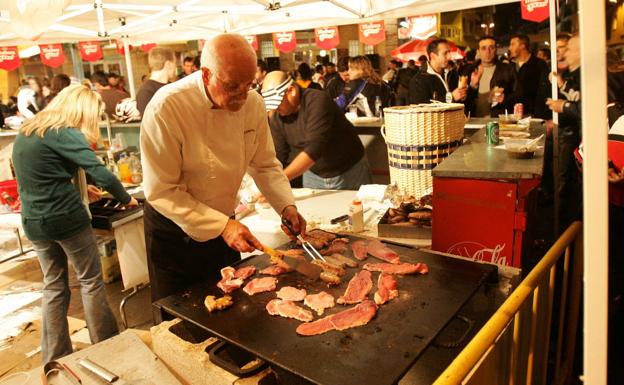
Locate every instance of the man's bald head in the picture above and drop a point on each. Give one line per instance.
(227, 51)
(228, 66)
(273, 79)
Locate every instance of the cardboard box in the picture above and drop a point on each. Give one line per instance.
(388, 230)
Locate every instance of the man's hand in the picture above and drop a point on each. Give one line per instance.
(460, 94)
(298, 223)
(615, 177)
(94, 193)
(238, 237)
(556, 105)
(475, 77)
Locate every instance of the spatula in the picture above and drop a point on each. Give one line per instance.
(297, 263)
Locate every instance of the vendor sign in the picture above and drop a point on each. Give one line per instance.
(52, 55)
(9, 58)
(147, 47)
(90, 50)
(285, 41)
(534, 10)
(327, 37)
(120, 47)
(253, 40)
(419, 27)
(372, 33)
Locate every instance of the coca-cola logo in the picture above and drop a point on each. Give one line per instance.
(7, 55)
(284, 37)
(370, 29)
(51, 52)
(531, 5)
(326, 34)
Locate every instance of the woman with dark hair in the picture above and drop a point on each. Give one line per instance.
(57, 83)
(365, 87)
(305, 77)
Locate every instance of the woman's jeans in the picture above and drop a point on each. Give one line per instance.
(82, 252)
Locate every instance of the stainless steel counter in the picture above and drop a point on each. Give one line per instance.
(477, 160)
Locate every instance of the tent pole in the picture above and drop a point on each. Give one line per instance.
(129, 74)
(555, 116)
(595, 183)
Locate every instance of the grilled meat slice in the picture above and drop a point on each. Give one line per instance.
(275, 270)
(386, 289)
(356, 316)
(213, 303)
(319, 302)
(260, 285)
(402, 268)
(359, 250)
(288, 309)
(381, 251)
(359, 286)
(290, 293)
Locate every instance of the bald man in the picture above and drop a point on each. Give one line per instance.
(199, 136)
(329, 153)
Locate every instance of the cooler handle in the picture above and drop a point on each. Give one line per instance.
(383, 132)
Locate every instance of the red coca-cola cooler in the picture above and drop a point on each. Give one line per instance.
(9, 197)
(484, 203)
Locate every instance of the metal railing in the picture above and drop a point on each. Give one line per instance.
(531, 334)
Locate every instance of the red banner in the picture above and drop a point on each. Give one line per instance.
(253, 40)
(120, 47)
(52, 55)
(285, 41)
(372, 33)
(535, 10)
(90, 50)
(9, 58)
(327, 37)
(147, 47)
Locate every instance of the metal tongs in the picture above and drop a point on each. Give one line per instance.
(307, 246)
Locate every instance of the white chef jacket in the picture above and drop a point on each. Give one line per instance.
(194, 157)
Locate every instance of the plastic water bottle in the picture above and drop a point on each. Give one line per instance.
(378, 106)
(356, 216)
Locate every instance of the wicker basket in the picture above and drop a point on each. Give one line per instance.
(418, 138)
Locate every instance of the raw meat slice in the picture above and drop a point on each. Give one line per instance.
(386, 289)
(359, 250)
(356, 316)
(288, 309)
(245, 272)
(260, 285)
(319, 302)
(229, 281)
(359, 286)
(338, 246)
(379, 250)
(402, 268)
(290, 293)
(275, 270)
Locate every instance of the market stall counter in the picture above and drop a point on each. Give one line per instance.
(485, 200)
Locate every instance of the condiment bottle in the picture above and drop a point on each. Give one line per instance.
(356, 216)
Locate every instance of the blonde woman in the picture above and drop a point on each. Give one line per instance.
(366, 86)
(48, 152)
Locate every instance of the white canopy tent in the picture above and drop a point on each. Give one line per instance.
(165, 20)
(143, 21)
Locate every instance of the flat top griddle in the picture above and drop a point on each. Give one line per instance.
(377, 353)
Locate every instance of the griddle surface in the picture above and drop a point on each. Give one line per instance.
(378, 353)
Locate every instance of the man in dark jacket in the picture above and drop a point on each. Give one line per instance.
(532, 76)
(336, 84)
(491, 82)
(568, 106)
(403, 77)
(330, 154)
(434, 85)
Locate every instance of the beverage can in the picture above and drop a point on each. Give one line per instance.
(491, 133)
(519, 110)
